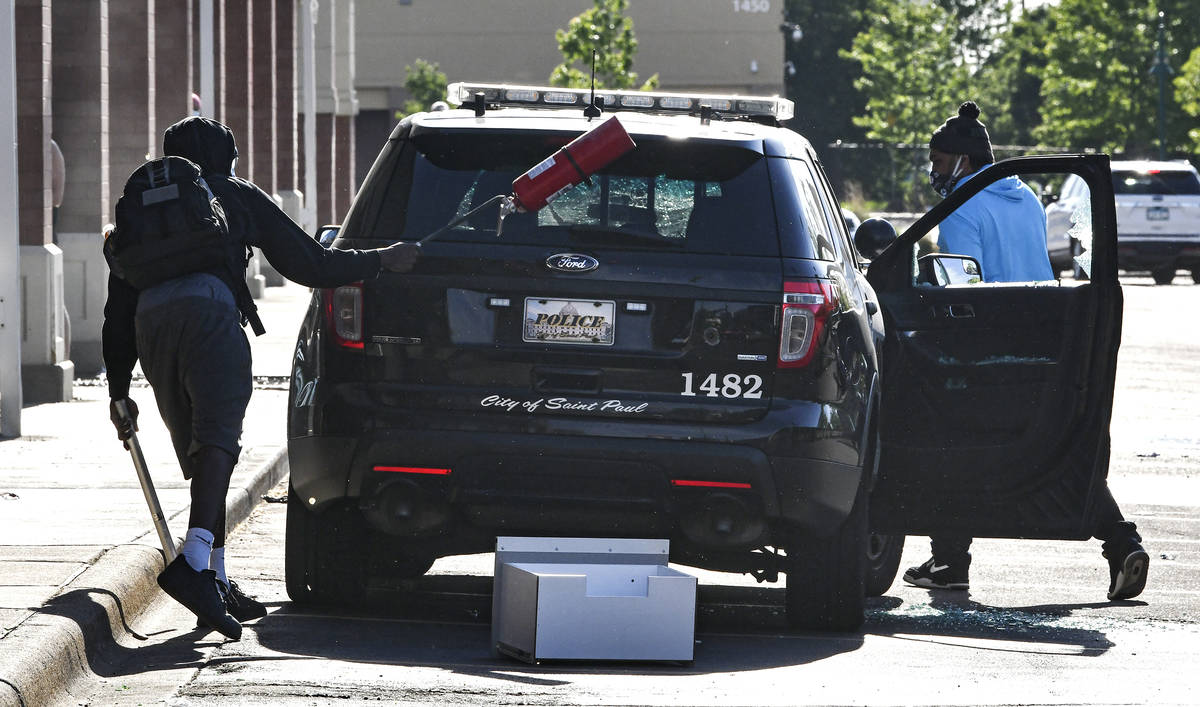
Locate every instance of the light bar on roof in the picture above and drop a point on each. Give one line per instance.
(560, 97)
(461, 93)
(633, 100)
(522, 95)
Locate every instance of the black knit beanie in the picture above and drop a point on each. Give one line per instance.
(963, 134)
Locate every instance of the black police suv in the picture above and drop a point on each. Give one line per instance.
(684, 346)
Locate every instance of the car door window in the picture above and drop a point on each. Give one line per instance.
(810, 202)
(833, 217)
(1080, 228)
(1003, 228)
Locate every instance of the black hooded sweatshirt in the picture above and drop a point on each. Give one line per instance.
(253, 218)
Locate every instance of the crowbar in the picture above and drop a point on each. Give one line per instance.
(139, 463)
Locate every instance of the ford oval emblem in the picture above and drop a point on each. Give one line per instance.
(572, 262)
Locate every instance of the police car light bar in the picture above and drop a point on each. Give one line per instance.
(780, 109)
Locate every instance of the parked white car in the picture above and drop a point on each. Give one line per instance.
(1158, 219)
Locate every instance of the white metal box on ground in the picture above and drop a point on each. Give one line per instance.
(591, 599)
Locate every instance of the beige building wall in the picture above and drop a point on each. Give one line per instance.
(717, 45)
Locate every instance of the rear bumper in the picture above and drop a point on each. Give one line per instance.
(458, 484)
(1147, 252)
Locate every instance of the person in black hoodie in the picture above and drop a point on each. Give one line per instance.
(188, 334)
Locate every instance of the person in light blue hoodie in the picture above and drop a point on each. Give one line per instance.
(1003, 227)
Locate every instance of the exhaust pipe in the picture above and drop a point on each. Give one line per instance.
(722, 520)
(402, 508)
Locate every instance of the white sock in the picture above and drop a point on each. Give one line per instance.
(216, 563)
(197, 546)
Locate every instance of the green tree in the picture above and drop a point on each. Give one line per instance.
(425, 83)
(913, 77)
(606, 30)
(1097, 90)
(977, 24)
(1187, 92)
(1009, 82)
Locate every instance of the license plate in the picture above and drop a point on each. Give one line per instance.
(1158, 213)
(569, 321)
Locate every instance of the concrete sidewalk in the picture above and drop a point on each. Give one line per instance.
(78, 552)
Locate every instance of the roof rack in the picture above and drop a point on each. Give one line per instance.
(755, 107)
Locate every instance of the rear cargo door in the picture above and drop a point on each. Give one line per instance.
(650, 293)
(514, 333)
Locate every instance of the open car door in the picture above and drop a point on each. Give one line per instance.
(997, 396)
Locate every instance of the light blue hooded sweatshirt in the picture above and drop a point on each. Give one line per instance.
(1004, 228)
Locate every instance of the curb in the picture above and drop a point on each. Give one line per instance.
(59, 644)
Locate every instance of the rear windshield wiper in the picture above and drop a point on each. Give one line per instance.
(605, 233)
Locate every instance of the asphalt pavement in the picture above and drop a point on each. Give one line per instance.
(78, 550)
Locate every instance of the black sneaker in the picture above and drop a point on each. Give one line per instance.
(199, 592)
(240, 606)
(932, 575)
(1127, 571)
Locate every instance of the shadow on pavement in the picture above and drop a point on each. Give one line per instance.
(953, 614)
(444, 621)
(90, 607)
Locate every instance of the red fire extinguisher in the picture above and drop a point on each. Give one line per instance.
(571, 164)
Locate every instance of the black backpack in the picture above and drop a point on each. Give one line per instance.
(169, 224)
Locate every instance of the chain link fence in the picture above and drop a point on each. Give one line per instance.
(894, 177)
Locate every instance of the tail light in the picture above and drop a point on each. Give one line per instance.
(806, 309)
(344, 313)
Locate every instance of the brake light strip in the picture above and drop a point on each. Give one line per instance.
(711, 484)
(413, 470)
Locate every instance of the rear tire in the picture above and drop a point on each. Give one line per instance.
(883, 562)
(1196, 276)
(826, 577)
(324, 558)
(297, 549)
(1164, 275)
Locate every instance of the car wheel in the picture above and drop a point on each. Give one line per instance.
(323, 554)
(1164, 275)
(883, 562)
(826, 576)
(1196, 276)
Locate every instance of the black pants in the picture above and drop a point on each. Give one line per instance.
(196, 357)
(1110, 526)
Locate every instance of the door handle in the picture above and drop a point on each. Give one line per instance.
(958, 311)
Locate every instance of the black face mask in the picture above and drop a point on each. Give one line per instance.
(943, 184)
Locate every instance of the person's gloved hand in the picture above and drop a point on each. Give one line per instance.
(125, 426)
(399, 257)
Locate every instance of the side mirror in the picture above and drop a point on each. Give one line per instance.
(941, 269)
(327, 234)
(873, 236)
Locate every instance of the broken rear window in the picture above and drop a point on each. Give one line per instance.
(687, 195)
